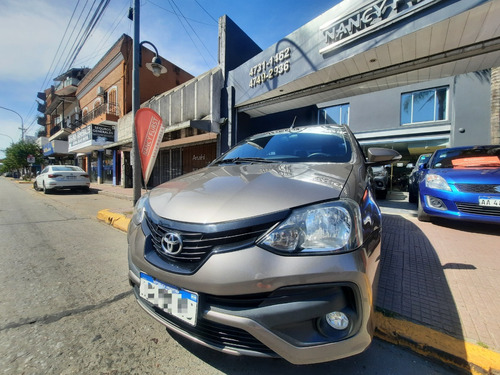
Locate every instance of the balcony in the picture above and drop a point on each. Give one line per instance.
(42, 107)
(41, 120)
(107, 113)
(67, 87)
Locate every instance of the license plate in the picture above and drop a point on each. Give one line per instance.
(174, 301)
(70, 177)
(489, 202)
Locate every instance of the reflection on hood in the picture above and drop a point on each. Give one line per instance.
(232, 192)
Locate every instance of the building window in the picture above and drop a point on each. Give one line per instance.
(424, 106)
(337, 114)
(113, 101)
(97, 103)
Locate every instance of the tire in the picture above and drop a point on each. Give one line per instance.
(35, 186)
(412, 197)
(421, 215)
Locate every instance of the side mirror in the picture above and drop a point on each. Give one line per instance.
(378, 155)
(423, 166)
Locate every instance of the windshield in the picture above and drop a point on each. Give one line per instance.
(61, 168)
(306, 145)
(462, 158)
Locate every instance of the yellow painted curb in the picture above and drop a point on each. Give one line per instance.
(431, 343)
(118, 221)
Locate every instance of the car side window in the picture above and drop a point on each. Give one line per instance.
(45, 170)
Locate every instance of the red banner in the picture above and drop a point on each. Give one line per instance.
(149, 129)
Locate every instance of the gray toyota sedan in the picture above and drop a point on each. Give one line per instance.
(272, 250)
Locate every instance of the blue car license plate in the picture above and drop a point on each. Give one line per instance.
(174, 301)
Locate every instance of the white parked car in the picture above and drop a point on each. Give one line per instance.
(62, 177)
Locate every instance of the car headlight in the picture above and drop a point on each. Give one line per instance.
(324, 228)
(139, 210)
(434, 181)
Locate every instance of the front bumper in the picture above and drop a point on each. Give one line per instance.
(459, 206)
(253, 302)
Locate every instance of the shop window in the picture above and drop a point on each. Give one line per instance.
(337, 114)
(424, 106)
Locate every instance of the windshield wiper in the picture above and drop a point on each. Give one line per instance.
(238, 160)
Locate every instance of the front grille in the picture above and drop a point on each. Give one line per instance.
(476, 209)
(478, 188)
(197, 246)
(200, 241)
(219, 335)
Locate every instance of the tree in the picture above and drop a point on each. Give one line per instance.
(16, 156)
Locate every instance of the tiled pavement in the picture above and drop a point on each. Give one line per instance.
(442, 275)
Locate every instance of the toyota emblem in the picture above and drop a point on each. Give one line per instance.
(171, 243)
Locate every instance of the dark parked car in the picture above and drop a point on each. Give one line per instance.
(462, 183)
(415, 176)
(272, 250)
(380, 181)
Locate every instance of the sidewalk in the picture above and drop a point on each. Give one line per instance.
(438, 288)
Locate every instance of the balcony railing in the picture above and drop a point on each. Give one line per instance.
(54, 130)
(104, 112)
(68, 82)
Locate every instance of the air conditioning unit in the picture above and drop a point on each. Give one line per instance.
(100, 91)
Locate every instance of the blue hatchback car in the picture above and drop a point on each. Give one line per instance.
(461, 183)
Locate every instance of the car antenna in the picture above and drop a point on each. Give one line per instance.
(293, 123)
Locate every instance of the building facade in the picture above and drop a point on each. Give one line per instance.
(410, 75)
(60, 115)
(105, 96)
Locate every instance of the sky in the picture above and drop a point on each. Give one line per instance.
(40, 38)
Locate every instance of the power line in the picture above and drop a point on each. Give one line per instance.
(187, 32)
(196, 1)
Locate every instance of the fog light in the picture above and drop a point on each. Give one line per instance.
(337, 320)
(436, 203)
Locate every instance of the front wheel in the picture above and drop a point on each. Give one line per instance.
(421, 215)
(35, 186)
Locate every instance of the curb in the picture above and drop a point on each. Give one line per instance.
(434, 344)
(119, 221)
(396, 330)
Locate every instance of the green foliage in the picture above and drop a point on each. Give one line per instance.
(16, 156)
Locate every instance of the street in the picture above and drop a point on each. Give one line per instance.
(66, 306)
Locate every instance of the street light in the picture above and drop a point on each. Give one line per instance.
(157, 69)
(155, 65)
(5, 135)
(22, 121)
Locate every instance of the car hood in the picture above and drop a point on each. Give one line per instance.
(469, 176)
(224, 193)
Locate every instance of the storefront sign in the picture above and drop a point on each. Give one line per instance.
(149, 129)
(371, 17)
(48, 149)
(102, 134)
(271, 68)
(91, 137)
